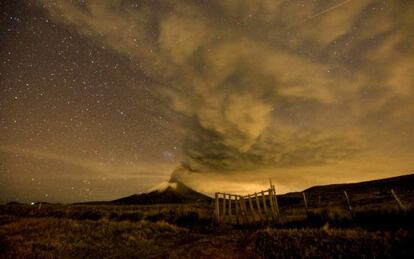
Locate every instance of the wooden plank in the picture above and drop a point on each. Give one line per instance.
(306, 203)
(272, 205)
(230, 206)
(237, 210)
(276, 203)
(224, 207)
(348, 204)
(265, 205)
(258, 207)
(273, 201)
(242, 213)
(245, 216)
(252, 211)
(217, 211)
(400, 205)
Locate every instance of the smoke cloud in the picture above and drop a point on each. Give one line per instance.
(264, 83)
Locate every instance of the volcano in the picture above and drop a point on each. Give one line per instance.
(175, 192)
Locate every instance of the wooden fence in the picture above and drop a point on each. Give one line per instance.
(253, 208)
(262, 207)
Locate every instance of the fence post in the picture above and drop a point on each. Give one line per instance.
(400, 205)
(272, 205)
(276, 203)
(216, 201)
(306, 203)
(349, 204)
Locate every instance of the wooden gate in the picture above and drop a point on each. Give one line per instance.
(253, 208)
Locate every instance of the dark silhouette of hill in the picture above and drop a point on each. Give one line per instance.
(15, 203)
(360, 193)
(403, 182)
(177, 192)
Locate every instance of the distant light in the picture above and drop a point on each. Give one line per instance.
(32, 203)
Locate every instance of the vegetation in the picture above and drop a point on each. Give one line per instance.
(49, 237)
(376, 228)
(332, 243)
(184, 231)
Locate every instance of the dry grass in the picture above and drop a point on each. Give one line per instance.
(331, 243)
(186, 231)
(66, 238)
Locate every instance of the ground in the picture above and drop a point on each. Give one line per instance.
(188, 231)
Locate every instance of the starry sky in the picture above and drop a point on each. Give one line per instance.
(102, 99)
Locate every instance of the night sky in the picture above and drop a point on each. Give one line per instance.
(102, 99)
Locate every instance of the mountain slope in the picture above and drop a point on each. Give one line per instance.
(403, 182)
(360, 193)
(177, 192)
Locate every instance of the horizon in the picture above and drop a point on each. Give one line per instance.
(211, 195)
(103, 99)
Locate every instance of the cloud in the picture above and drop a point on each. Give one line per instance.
(101, 169)
(264, 83)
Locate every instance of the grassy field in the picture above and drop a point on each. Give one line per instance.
(188, 231)
(377, 228)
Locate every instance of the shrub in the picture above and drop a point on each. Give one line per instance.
(132, 216)
(188, 219)
(162, 216)
(86, 215)
(113, 216)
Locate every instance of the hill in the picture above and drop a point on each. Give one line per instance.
(403, 182)
(175, 192)
(361, 193)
